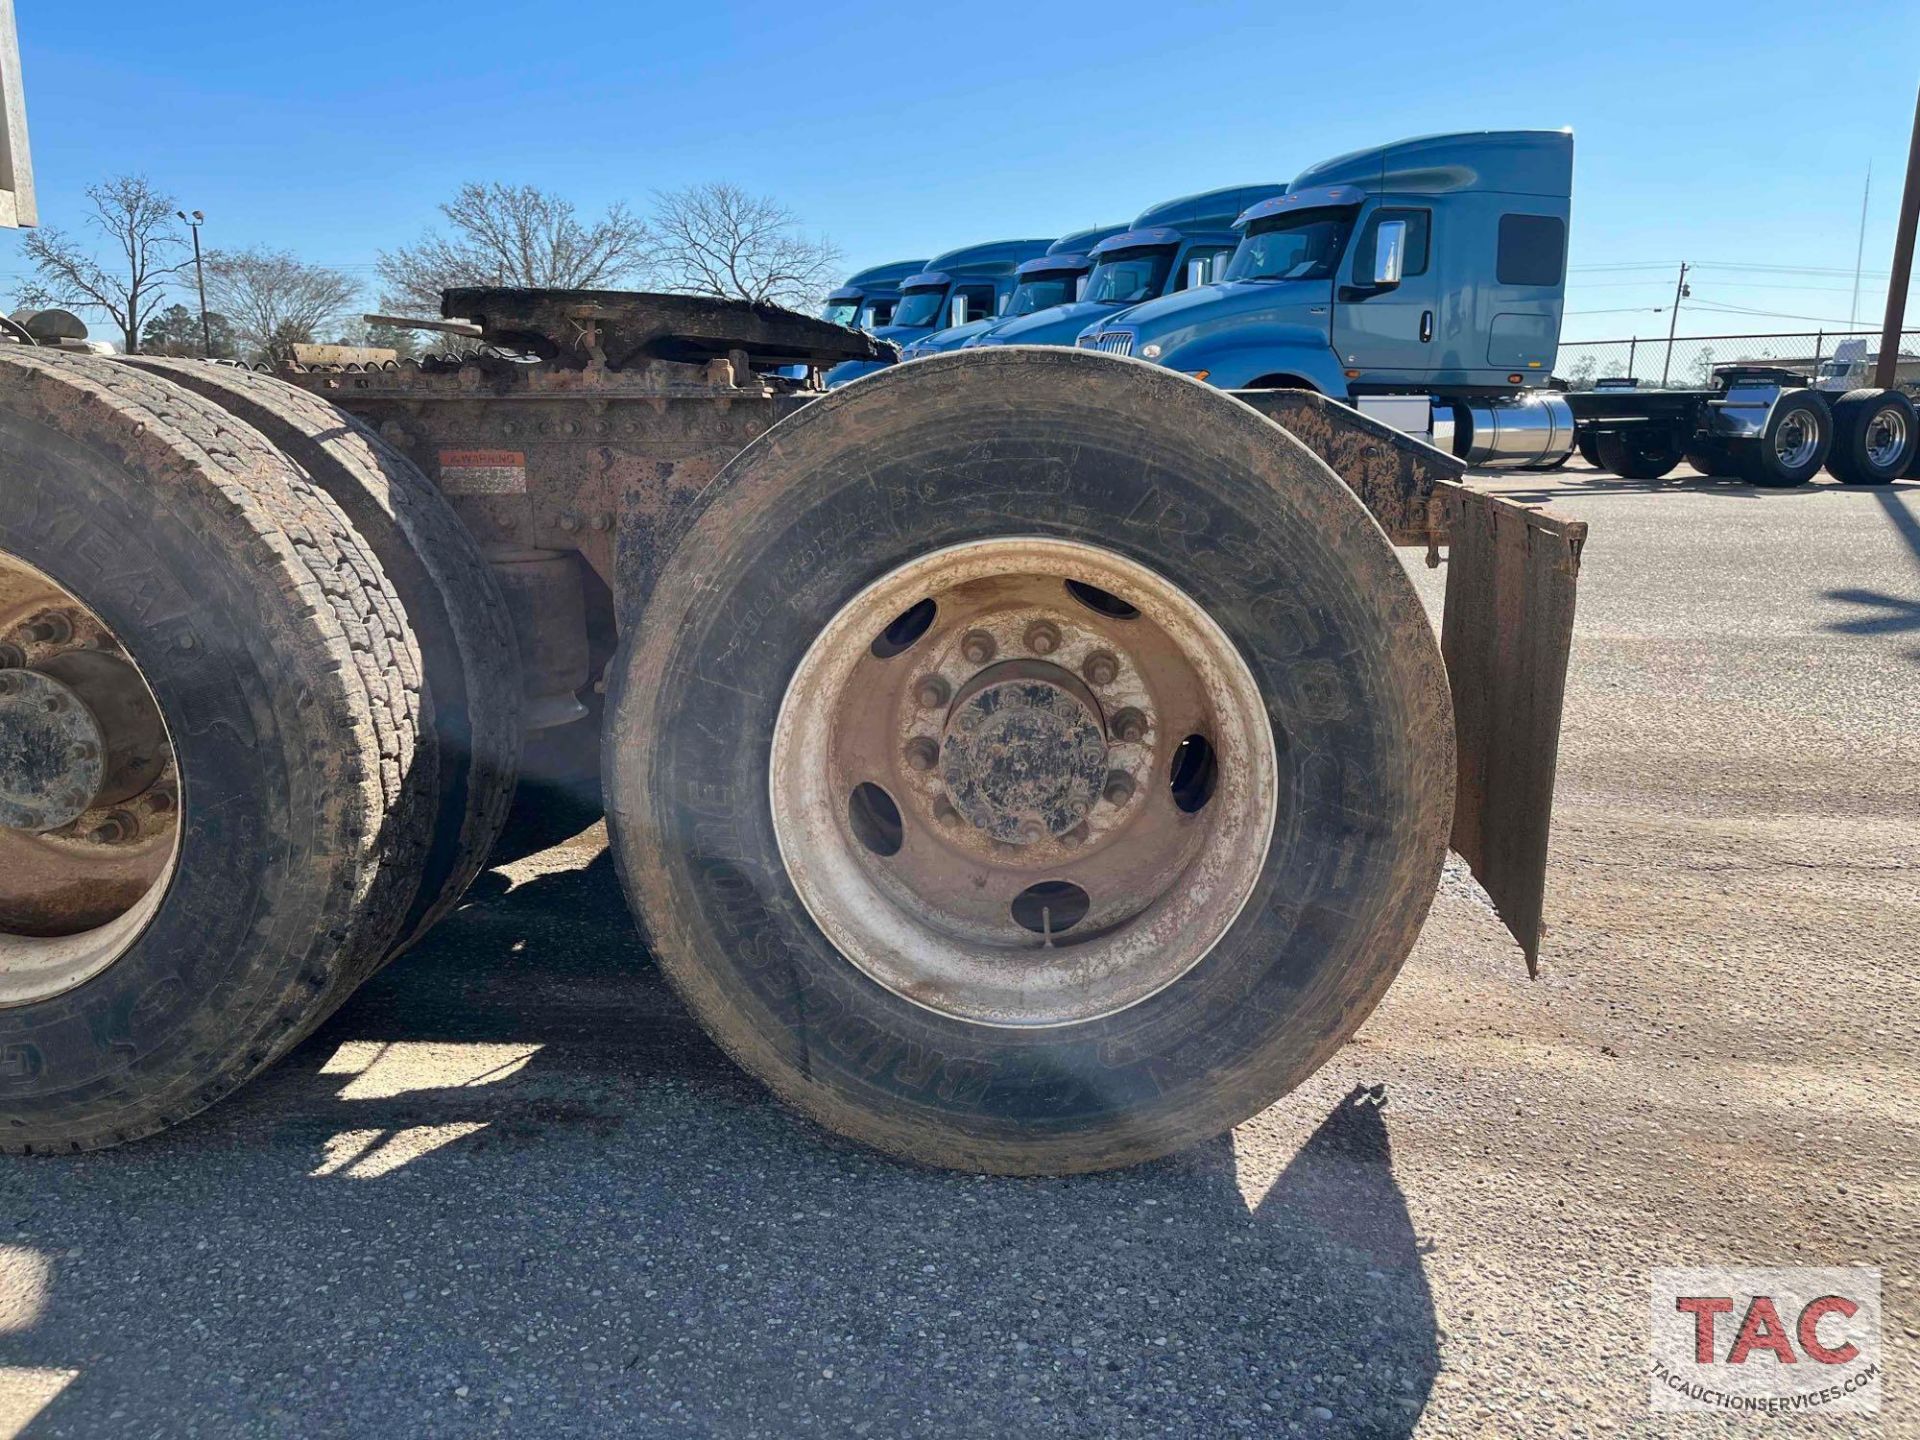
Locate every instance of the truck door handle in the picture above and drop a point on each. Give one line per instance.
(1426, 326)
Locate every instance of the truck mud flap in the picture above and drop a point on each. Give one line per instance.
(1505, 636)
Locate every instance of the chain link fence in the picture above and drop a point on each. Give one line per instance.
(1838, 360)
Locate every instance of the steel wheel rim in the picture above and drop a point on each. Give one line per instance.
(90, 804)
(1797, 438)
(1887, 437)
(988, 774)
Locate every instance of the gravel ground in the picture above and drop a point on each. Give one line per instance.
(511, 1189)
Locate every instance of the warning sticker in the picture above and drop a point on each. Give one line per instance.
(483, 472)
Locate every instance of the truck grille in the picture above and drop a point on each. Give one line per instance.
(1111, 342)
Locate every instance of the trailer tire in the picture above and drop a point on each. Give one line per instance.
(1874, 437)
(283, 671)
(1711, 457)
(1636, 457)
(451, 599)
(1589, 452)
(894, 482)
(1795, 443)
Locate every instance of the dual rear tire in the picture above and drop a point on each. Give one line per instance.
(313, 819)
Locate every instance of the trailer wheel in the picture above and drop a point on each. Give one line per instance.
(1873, 437)
(449, 593)
(1793, 447)
(214, 793)
(1636, 456)
(1589, 452)
(1710, 456)
(1031, 761)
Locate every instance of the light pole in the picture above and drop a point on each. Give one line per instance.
(200, 274)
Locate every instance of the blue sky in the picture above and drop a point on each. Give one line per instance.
(1727, 135)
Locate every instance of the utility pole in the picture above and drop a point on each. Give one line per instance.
(1680, 292)
(200, 274)
(1902, 263)
(1860, 252)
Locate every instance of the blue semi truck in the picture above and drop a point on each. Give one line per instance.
(867, 299)
(1053, 279)
(1424, 282)
(1167, 249)
(955, 288)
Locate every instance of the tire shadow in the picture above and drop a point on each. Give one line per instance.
(511, 1188)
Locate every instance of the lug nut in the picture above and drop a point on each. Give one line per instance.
(931, 692)
(118, 828)
(977, 646)
(160, 802)
(8, 684)
(52, 628)
(1032, 832)
(1119, 788)
(570, 522)
(1077, 836)
(12, 657)
(83, 750)
(55, 704)
(1101, 668)
(1130, 725)
(922, 753)
(1043, 637)
(944, 812)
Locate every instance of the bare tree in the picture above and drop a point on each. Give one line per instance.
(513, 235)
(275, 300)
(145, 251)
(717, 239)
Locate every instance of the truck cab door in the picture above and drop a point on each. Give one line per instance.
(1387, 312)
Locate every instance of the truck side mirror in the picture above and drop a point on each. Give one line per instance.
(1389, 253)
(957, 311)
(1197, 269)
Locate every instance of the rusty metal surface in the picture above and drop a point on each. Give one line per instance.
(1393, 474)
(605, 463)
(1505, 635)
(623, 328)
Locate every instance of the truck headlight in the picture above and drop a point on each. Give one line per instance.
(1150, 351)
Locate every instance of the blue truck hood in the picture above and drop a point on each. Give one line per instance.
(952, 338)
(1058, 325)
(1212, 305)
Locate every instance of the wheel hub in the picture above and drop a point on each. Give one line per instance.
(52, 753)
(1024, 753)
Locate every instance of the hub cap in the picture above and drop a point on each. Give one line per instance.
(1887, 437)
(1797, 438)
(89, 792)
(1023, 782)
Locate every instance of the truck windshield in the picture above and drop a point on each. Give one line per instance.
(1127, 277)
(1041, 292)
(920, 308)
(840, 312)
(1304, 246)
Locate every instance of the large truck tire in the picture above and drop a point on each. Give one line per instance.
(216, 786)
(447, 588)
(1795, 443)
(1710, 456)
(1032, 761)
(1583, 441)
(1874, 437)
(1634, 456)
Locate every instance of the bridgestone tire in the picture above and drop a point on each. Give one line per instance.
(1167, 473)
(1761, 462)
(289, 683)
(1854, 414)
(1634, 458)
(446, 586)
